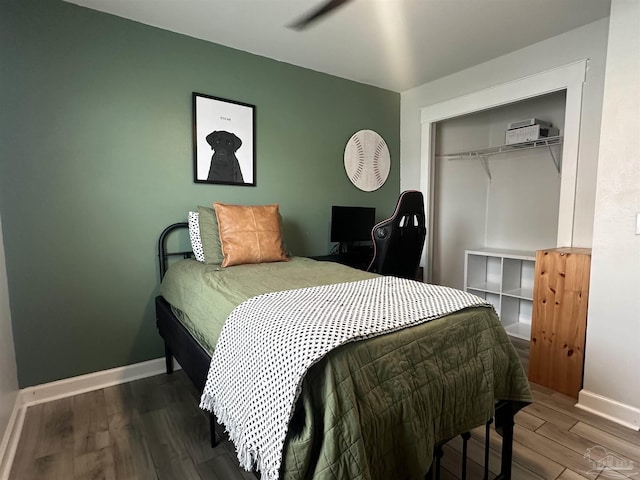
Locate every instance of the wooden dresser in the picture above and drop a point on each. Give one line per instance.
(559, 318)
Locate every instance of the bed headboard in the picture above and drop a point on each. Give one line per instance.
(163, 253)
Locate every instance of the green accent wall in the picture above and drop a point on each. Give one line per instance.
(96, 159)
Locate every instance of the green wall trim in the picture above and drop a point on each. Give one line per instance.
(96, 159)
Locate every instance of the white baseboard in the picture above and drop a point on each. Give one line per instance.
(613, 410)
(47, 392)
(67, 387)
(11, 437)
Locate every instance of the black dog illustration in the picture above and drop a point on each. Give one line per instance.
(224, 164)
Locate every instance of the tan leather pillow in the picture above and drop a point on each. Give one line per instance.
(249, 234)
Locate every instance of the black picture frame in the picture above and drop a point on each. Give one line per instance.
(224, 146)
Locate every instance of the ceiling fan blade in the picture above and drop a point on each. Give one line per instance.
(321, 11)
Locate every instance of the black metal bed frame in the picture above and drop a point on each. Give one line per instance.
(194, 360)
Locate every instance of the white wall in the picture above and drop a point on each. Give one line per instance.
(613, 332)
(589, 42)
(524, 195)
(8, 370)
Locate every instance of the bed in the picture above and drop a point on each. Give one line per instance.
(370, 409)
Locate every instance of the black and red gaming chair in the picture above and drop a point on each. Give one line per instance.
(398, 241)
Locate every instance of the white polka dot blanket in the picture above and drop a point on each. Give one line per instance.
(270, 341)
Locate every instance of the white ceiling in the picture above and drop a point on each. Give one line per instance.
(393, 44)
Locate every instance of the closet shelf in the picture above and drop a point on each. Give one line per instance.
(484, 153)
(490, 151)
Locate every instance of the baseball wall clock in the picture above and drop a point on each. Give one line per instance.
(366, 160)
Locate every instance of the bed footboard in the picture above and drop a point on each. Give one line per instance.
(504, 422)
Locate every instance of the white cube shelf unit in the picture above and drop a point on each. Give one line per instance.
(505, 279)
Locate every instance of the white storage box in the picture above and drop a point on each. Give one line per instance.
(530, 134)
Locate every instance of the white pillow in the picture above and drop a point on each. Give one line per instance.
(194, 236)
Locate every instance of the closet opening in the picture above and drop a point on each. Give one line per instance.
(491, 204)
(488, 194)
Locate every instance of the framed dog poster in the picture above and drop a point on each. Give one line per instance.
(223, 141)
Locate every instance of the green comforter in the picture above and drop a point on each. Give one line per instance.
(375, 409)
(371, 409)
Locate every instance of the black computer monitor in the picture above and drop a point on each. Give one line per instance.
(352, 224)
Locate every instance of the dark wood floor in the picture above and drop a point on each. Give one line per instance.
(153, 429)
